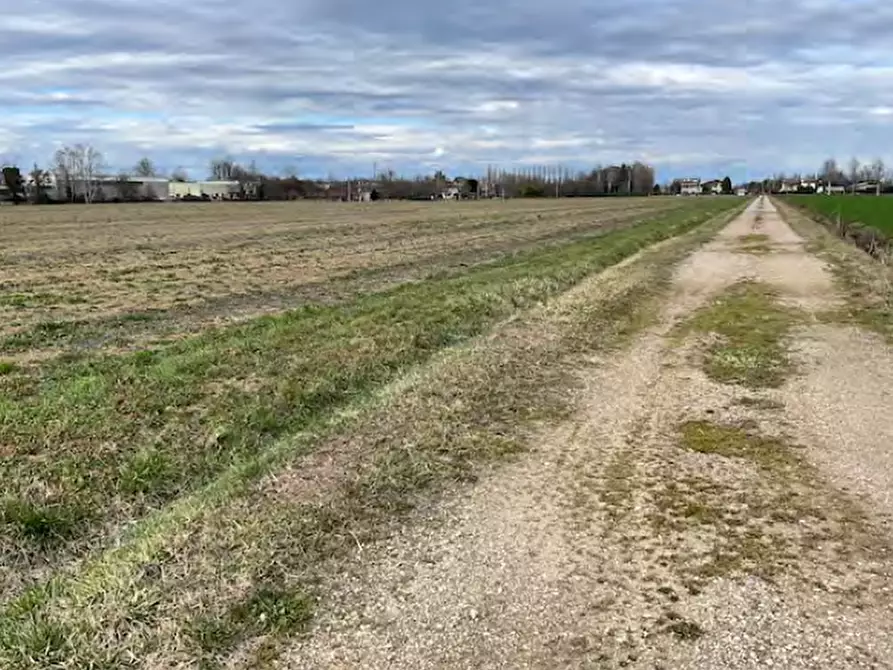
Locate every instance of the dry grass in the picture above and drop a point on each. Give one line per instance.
(112, 277)
(782, 518)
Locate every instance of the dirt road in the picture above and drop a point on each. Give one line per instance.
(721, 500)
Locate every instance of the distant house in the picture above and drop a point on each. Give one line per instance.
(451, 192)
(690, 186)
(869, 186)
(714, 186)
(798, 186)
(741, 191)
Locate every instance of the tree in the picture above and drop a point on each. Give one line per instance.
(64, 168)
(878, 170)
(831, 174)
(855, 169)
(78, 168)
(12, 177)
(656, 190)
(179, 175)
(39, 180)
(145, 168)
(223, 169)
(727, 185)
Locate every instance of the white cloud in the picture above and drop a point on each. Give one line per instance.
(331, 86)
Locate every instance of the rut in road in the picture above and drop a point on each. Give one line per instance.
(678, 520)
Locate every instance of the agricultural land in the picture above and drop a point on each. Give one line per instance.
(865, 209)
(578, 433)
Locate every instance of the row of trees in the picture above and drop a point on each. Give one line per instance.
(79, 173)
(551, 181)
(831, 173)
(870, 177)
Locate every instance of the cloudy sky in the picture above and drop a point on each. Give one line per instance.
(337, 86)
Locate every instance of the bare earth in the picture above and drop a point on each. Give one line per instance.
(611, 545)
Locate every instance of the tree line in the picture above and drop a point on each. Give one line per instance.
(79, 173)
(873, 175)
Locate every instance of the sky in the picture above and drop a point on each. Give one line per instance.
(339, 87)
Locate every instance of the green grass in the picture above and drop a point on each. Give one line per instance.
(172, 587)
(873, 211)
(749, 329)
(866, 283)
(766, 453)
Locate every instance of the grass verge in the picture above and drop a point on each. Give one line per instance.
(748, 328)
(867, 283)
(175, 591)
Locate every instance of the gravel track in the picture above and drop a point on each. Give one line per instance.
(608, 545)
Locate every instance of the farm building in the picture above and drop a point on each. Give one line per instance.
(214, 190)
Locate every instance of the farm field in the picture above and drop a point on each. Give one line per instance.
(116, 277)
(158, 363)
(876, 212)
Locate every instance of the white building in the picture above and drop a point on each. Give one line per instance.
(690, 186)
(212, 190)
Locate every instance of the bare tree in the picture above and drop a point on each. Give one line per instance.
(179, 175)
(831, 174)
(89, 162)
(63, 166)
(78, 168)
(145, 168)
(223, 169)
(855, 168)
(878, 170)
